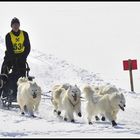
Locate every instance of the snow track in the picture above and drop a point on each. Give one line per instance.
(48, 124)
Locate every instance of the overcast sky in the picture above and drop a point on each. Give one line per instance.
(96, 36)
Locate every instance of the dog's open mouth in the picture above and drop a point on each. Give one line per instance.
(34, 95)
(122, 108)
(74, 97)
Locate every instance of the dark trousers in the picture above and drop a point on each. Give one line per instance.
(17, 66)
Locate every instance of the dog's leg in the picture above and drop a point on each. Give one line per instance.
(89, 122)
(66, 116)
(21, 105)
(115, 115)
(55, 109)
(31, 113)
(89, 119)
(103, 118)
(114, 123)
(73, 120)
(22, 110)
(71, 116)
(110, 117)
(65, 119)
(80, 114)
(30, 110)
(78, 110)
(22, 113)
(59, 109)
(37, 105)
(25, 108)
(55, 105)
(97, 118)
(58, 113)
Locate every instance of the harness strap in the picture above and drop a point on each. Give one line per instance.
(72, 103)
(1, 83)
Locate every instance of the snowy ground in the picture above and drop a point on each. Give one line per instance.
(48, 71)
(47, 124)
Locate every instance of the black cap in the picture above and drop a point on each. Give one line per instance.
(15, 20)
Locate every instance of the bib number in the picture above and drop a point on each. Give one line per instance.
(18, 47)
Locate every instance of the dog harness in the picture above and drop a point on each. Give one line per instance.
(72, 103)
(17, 42)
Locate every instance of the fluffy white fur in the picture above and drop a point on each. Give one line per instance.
(64, 86)
(28, 95)
(67, 100)
(108, 104)
(57, 94)
(104, 89)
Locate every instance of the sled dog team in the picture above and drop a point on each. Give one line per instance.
(104, 101)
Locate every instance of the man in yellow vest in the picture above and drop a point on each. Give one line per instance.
(17, 48)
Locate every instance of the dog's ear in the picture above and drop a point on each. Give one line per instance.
(122, 95)
(39, 89)
(116, 94)
(70, 87)
(96, 88)
(76, 86)
(31, 83)
(34, 83)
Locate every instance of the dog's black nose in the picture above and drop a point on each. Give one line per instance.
(124, 105)
(34, 95)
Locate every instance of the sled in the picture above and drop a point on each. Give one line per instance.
(8, 86)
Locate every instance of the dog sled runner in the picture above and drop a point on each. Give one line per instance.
(8, 86)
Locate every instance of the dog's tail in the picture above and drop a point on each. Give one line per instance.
(58, 92)
(22, 80)
(88, 92)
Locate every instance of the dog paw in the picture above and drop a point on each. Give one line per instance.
(22, 113)
(97, 118)
(65, 119)
(73, 120)
(90, 123)
(103, 118)
(114, 123)
(33, 116)
(59, 112)
(79, 114)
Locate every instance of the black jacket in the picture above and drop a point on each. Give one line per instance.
(9, 53)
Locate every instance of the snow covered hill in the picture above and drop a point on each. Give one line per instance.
(48, 71)
(51, 70)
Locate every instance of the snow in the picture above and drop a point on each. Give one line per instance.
(47, 124)
(49, 70)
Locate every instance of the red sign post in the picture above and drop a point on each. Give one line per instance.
(130, 65)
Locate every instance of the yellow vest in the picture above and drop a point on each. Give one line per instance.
(17, 42)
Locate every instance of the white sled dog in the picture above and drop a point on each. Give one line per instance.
(67, 98)
(108, 104)
(102, 90)
(28, 96)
